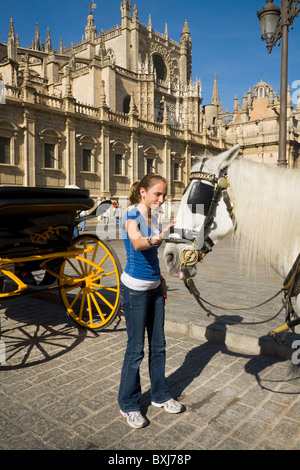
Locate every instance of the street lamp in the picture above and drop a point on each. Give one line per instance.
(274, 23)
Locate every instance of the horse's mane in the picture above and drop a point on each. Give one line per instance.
(267, 209)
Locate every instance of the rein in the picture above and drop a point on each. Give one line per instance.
(189, 283)
(190, 256)
(290, 288)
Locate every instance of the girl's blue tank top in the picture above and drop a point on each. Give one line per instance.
(141, 264)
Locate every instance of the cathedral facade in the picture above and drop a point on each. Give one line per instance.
(254, 123)
(103, 112)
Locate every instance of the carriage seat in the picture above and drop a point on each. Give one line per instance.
(16, 200)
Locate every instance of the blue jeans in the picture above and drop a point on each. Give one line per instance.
(143, 310)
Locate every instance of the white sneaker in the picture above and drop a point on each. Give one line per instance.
(171, 406)
(134, 419)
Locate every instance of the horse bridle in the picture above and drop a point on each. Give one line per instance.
(199, 249)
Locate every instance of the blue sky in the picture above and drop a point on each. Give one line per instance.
(225, 36)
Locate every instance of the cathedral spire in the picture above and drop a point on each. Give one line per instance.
(125, 8)
(37, 37)
(12, 43)
(185, 28)
(186, 55)
(125, 13)
(215, 94)
(48, 45)
(11, 32)
(135, 15)
(126, 4)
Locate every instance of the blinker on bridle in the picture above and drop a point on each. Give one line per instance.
(199, 248)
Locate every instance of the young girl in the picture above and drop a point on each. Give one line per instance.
(143, 298)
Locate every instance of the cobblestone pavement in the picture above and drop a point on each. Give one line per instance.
(59, 384)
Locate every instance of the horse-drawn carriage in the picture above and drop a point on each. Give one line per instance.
(38, 251)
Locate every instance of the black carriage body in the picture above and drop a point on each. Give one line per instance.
(37, 221)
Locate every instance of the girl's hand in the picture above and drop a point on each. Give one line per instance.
(166, 230)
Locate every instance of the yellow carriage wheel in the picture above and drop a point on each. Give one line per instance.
(90, 283)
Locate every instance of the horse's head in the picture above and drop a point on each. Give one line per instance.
(202, 219)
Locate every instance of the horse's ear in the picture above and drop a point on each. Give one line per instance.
(225, 158)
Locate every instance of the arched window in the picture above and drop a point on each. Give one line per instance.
(51, 148)
(8, 136)
(86, 159)
(87, 146)
(177, 166)
(120, 156)
(160, 67)
(4, 150)
(150, 160)
(50, 159)
(261, 92)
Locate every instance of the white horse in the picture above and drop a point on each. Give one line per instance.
(265, 202)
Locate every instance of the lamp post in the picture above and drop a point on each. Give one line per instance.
(274, 23)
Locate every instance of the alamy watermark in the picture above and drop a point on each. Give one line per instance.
(296, 354)
(193, 217)
(2, 92)
(295, 94)
(2, 353)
